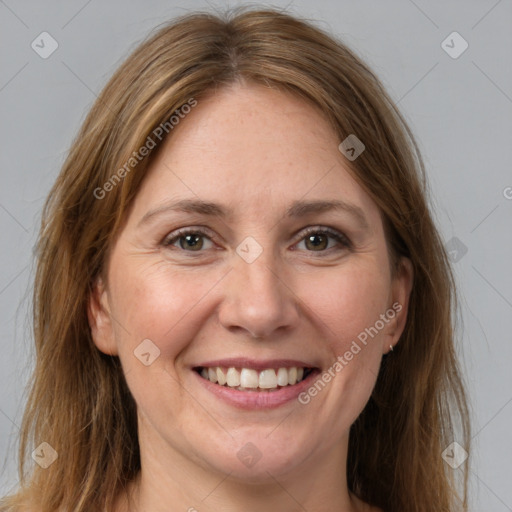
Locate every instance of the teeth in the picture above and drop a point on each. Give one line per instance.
(221, 376)
(233, 378)
(212, 375)
(248, 378)
(282, 377)
(268, 379)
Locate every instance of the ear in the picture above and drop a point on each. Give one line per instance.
(401, 291)
(100, 320)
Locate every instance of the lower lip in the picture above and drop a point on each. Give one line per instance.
(257, 399)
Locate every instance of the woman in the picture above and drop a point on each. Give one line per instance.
(241, 299)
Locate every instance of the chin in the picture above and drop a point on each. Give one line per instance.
(257, 457)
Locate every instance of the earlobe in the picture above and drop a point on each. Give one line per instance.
(98, 314)
(402, 287)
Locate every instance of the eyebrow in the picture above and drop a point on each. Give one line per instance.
(297, 209)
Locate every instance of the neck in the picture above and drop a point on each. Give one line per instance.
(168, 479)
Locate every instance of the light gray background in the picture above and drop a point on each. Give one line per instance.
(460, 110)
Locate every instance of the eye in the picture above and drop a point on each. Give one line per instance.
(316, 239)
(191, 240)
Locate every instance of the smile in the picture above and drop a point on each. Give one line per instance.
(253, 384)
(250, 379)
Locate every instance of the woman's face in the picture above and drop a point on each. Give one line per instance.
(266, 279)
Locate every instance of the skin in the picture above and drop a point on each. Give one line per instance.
(254, 150)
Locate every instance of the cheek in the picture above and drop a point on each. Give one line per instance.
(347, 304)
(348, 301)
(159, 303)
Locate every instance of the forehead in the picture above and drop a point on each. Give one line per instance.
(253, 146)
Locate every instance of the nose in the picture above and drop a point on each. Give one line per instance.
(258, 299)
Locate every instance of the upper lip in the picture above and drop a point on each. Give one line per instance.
(255, 364)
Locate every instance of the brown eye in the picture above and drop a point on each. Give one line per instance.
(193, 242)
(317, 241)
(188, 240)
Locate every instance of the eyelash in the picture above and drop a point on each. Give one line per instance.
(169, 241)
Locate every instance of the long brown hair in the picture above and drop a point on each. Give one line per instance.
(79, 402)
